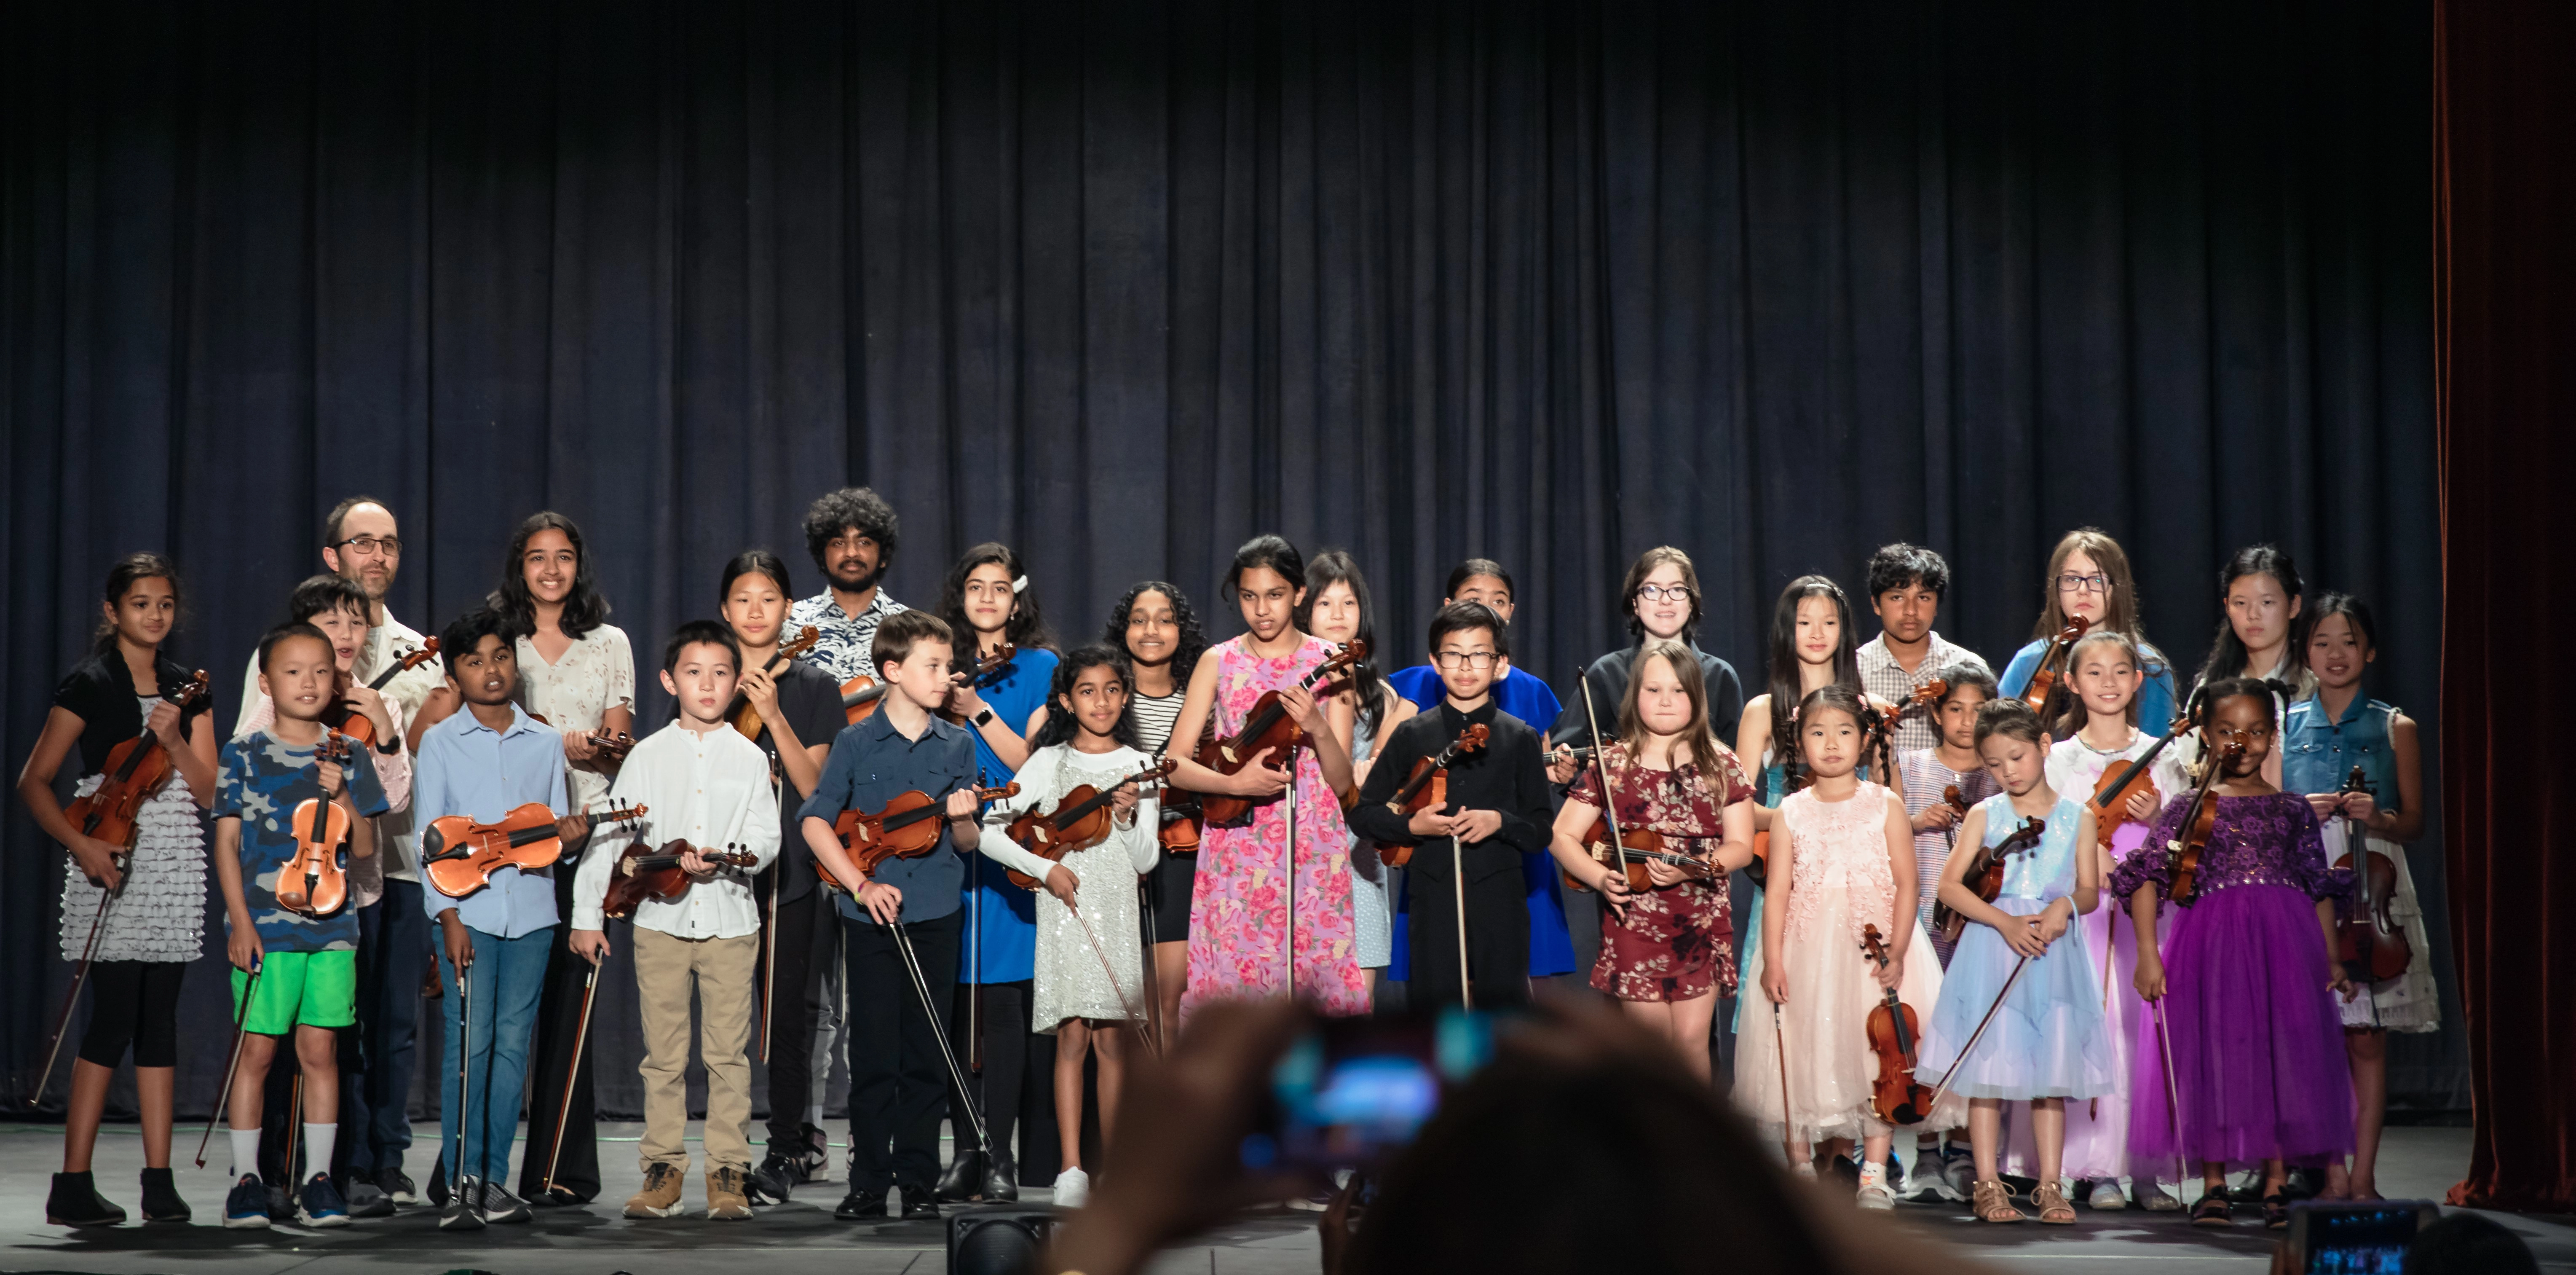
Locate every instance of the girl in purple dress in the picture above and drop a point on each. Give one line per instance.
(2246, 987)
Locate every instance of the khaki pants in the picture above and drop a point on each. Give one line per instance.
(725, 972)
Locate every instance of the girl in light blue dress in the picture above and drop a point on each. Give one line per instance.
(2047, 1041)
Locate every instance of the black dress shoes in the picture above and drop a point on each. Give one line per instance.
(861, 1204)
(1001, 1181)
(964, 1175)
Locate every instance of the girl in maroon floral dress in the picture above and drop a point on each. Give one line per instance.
(1667, 952)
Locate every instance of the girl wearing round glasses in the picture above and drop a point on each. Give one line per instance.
(2089, 576)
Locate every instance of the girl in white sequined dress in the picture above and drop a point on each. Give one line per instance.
(1842, 860)
(1090, 950)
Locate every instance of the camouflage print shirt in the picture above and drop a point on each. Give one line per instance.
(259, 780)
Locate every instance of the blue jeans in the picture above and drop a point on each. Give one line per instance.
(375, 1096)
(505, 979)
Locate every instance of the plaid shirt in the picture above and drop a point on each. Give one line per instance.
(1887, 680)
(844, 647)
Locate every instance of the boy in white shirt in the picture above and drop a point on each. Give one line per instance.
(702, 783)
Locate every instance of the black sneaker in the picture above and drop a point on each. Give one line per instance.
(777, 1175)
(397, 1186)
(365, 1198)
(246, 1205)
(75, 1201)
(320, 1203)
(161, 1202)
(439, 1186)
(459, 1213)
(500, 1206)
(861, 1204)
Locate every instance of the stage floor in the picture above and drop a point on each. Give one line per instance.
(802, 1236)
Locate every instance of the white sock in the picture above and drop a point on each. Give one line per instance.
(814, 1115)
(245, 1150)
(317, 1140)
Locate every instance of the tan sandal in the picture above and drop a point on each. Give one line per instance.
(2052, 1205)
(1991, 1201)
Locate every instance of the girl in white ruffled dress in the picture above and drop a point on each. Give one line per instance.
(153, 889)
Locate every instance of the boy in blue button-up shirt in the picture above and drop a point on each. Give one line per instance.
(898, 1081)
(481, 764)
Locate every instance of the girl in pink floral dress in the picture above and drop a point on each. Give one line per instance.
(1241, 921)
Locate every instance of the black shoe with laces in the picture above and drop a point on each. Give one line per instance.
(776, 1177)
(75, 1201)
(161, 1201)
(861, 1204)
(398, 1187)
(459, 1214)
(919, 1203)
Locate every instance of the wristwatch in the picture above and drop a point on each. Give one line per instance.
(984, 718)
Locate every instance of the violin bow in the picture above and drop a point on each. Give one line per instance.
(1153, 985)
(1788, 1129)
(80, 974)
(2173, 1095)
(580, 1038)
(769, 967)
(1966, 1049)
(1601, 770)
(956, 1074)
(223, 1101)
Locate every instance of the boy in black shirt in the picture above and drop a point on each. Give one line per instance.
(1497, 811)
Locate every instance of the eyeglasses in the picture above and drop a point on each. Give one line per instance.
(1467, 659)
(1662, 592)
(2073, 583)
(389, 546)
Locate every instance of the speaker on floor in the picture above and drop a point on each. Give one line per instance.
(998, 1239)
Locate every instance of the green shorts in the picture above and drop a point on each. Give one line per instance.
(317, 989)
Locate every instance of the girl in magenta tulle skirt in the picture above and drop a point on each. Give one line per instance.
(2246, 986)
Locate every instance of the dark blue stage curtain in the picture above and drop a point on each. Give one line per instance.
(1125, 283)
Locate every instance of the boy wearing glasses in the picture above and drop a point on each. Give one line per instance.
(1497, 811)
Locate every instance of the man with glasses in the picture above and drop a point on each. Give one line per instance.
(361, 542)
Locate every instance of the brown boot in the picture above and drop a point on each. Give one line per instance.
(660, 1196)
(725, 1199)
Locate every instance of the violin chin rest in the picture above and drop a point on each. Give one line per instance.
(432, 842)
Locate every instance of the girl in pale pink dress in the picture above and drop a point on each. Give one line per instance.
(1849, 866)
(1245, 935)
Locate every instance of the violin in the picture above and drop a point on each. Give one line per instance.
(1922, 699)
(1082, 819)
(2368, 940)
(359, 726)
(1637, 848)
(136, 769)
(906, 828)
(1985, 874)
(2112, 792)
(2045, 679)
(459, 855)
(616, 746)
(1269, 726)
(314, 882)
(859, 695)
(1183, 821)
(1895, 1095)
(641, 873)
(1954, 799)
(1427, 788)
(2199, 823)
(745, 718)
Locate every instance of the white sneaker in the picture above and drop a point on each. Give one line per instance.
(1924, 1176)
(1873, 1193)
(2106, 1195)
(1072, 1189)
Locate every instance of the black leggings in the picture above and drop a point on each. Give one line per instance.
(133, 1003)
